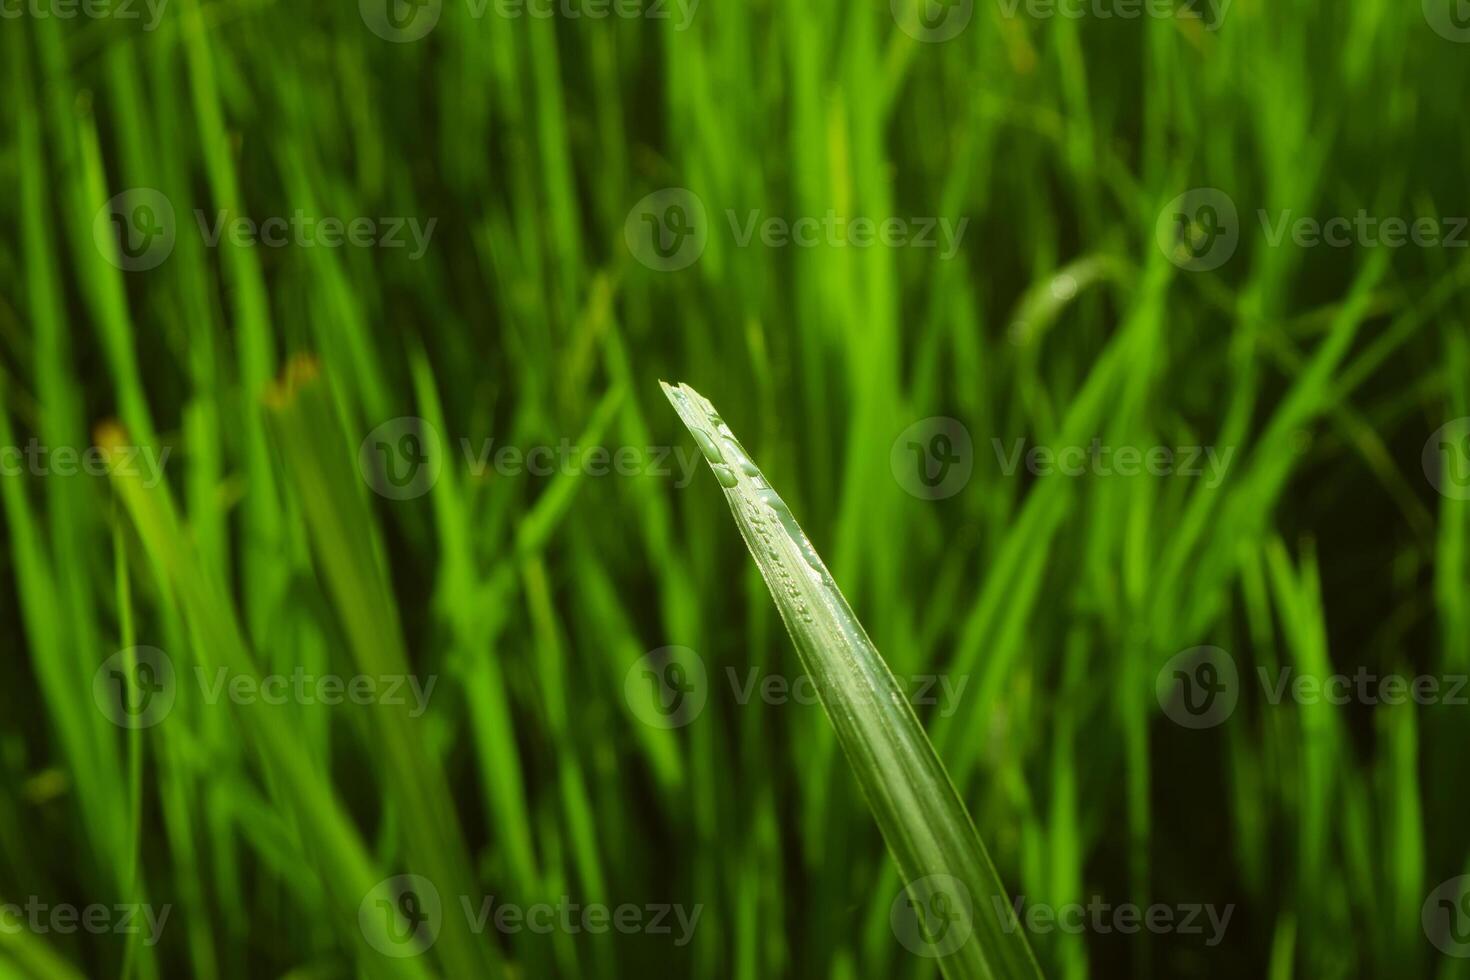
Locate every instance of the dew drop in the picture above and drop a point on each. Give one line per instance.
(707, 446)
(725, 475)
(793, 530)
(736, 455)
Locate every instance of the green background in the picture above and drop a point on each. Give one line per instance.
(1064, 316)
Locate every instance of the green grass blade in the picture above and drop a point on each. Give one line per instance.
(341, 858)
(349, 559)
(922, 818)
(23, 955)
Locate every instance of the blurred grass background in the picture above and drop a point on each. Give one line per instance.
(529, 320)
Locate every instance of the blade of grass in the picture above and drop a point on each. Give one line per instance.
(340, 858)
(922, 818)
(350, 560)
(23, 955)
